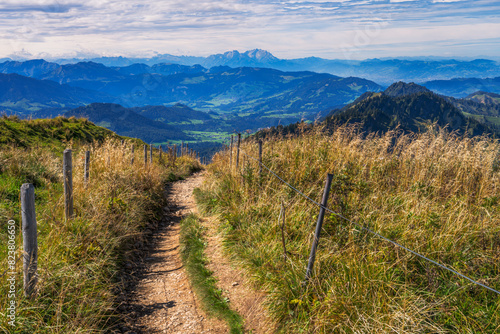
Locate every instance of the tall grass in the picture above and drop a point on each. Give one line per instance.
(79, 259)
(435, 193)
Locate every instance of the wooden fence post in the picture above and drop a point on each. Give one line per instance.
(260, 158)
(68, 183)
(133, 150)
(87, 167)
(319, 224)
(145, 155)
(160, 151)
(30, 245)
(238, 151)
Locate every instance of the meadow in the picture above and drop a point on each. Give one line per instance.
(436, 193)
(80, 259)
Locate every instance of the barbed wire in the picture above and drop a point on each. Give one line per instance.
(371, 231)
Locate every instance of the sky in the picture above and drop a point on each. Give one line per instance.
(343, 29)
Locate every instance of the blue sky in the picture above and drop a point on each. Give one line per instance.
(343, 29)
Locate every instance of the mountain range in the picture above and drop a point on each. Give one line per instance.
(171, 102)
(263, 92)
(382, 71)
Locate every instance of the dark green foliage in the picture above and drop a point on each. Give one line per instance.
(127, 122)
(410, 113)
(176, 113)
(402, 89)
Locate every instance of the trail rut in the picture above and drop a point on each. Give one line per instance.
(162, 300)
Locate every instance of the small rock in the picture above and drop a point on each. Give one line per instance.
(235, 284)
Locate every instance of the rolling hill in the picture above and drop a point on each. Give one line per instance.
(126, 122)
(24, 95)
(408, 107)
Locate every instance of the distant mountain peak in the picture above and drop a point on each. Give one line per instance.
(261, 55)
(402, 89)
(250, 58)
(231, 54)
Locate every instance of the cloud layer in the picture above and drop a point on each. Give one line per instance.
(289, 29)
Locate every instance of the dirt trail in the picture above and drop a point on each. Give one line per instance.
(162, 301)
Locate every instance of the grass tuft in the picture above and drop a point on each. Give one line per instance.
(202, 279)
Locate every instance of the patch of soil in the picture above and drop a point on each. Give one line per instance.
(158, 297)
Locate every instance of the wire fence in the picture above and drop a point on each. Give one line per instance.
(369, 230)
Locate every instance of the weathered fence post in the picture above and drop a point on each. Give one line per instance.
(260, 158)
(30, 245)
(87, 166)
(319, 224)
(133, 150)
(159, 148)
(68, 183)
(151, 154)
(145, 155)
(238, 151)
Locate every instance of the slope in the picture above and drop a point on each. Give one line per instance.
(50, 132)
(22, 94)
(408, 107)
(126, 122)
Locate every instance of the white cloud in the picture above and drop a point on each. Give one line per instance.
(287, 28)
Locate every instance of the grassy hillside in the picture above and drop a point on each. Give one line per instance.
(25, 95)
(52, 133)
(434, 193)
(79, 261)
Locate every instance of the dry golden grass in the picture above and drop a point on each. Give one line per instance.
(435, 193)
(79, 259)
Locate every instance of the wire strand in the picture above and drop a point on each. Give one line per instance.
(373, 232)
